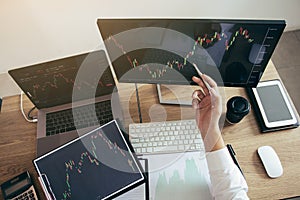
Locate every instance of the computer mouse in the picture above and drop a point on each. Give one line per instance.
(270, 161)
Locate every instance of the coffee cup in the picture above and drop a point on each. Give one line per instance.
(237, 108)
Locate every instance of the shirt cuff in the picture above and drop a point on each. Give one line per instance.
(219, 160)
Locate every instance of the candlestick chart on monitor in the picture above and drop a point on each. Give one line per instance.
(235, 52)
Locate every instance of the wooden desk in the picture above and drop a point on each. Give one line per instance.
(18, 139)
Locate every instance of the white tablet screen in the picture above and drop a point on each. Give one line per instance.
(273, 103)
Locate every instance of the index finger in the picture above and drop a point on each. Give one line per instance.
(201, 83)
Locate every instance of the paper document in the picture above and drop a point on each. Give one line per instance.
(179, 176)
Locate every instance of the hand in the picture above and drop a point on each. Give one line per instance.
(208, 106)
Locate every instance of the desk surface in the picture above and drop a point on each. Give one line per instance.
(18, 142)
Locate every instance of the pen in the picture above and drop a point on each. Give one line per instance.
(232, 154)
(200, 75)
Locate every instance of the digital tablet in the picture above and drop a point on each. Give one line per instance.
(274, 104)
(97, 165)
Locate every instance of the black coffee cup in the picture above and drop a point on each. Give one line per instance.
(237, 108)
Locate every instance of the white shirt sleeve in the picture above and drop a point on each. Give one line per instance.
(226, 179)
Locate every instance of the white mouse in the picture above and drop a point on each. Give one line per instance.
(270, 161)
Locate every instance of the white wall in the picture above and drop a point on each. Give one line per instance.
(33, 31)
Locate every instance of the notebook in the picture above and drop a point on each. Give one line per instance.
(74, 83)
(97, 165)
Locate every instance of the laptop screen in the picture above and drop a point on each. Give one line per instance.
(55, 82)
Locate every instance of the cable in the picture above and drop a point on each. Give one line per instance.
(29, 114)
(138, 102)
(0, 104)
(32, 120)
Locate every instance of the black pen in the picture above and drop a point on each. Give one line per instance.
(232, 154)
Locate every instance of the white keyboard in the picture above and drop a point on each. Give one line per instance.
(166, 137)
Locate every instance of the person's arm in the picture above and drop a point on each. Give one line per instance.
(226, 179)
(208, 106)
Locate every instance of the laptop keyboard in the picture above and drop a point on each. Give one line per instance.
(63, 121)
(166, 137)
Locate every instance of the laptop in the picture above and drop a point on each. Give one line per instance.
(72, 95)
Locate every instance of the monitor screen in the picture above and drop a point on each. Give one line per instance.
(233, 52)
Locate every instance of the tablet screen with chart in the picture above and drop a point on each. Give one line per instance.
(233, 52)
(97, 165)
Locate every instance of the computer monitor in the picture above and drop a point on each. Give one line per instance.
(163, 51)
